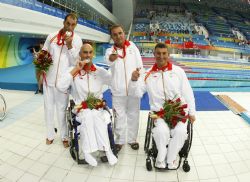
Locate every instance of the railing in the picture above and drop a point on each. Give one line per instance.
(130, 30)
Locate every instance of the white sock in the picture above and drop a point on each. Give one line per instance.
(160, 164)
(111, 157)
(90, 159)
(172, 165)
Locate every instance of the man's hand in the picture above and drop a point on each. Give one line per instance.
(135, 74)
(68, 40)
(79, 66)
(113, 57)
(192, 118)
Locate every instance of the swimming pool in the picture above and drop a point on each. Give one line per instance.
(213, 75)
(209, 75)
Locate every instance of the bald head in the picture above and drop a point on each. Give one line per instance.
(87, 46)
(86, 52)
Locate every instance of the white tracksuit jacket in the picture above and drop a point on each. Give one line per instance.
(62, 59)
(126, 108)
(170, 83)
(93, 129)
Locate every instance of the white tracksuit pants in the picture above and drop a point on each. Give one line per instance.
(126, 111)
(161, 134)
(94, 130)
(54, 98)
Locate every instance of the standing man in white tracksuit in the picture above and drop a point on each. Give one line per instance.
(123, 58)
(84, 79)
(163, 82)
(64, 47)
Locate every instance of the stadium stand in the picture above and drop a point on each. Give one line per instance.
(225, 28)
(54, 9)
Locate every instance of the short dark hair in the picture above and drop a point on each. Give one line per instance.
(115, 26)
(88, 42)
(160, 45)
(72, 15)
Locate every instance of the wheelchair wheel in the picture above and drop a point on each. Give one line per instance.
(148, 164)
(186, 166)
(2, 108)
(72, 153)
(185, 149)
(154, 150)
(72, 142)
(148, 134)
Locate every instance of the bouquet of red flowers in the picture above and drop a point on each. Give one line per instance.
(91, 102)
(172, 112)
(42, 61)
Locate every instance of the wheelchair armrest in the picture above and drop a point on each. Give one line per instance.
(75, 123)
(106, 108)
(71, 104)
(152, 115)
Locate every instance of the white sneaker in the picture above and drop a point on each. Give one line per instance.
(111, 158)
(172, 166)
(161, 165)
(90, 159)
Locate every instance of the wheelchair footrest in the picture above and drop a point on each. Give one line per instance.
(104, 159)
(82, 161)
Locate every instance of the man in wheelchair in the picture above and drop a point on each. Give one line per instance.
(85, 82)
(164, 82)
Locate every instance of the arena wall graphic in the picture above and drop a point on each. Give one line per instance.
(16, 50)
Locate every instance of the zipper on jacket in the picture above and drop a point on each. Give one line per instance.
(58, 65)
(88, 82)
(125, 76)
(163, 85)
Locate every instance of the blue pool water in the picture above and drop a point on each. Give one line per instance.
(206, 78)
(233, 77)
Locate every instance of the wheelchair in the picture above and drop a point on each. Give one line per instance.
(3, 107)
(74, 135)
(151, 149)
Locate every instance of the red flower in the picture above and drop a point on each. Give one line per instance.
(43, 60)
(160, 113)
(174, 123)
(183, 113)
(84, 105)
(170, 101)
(184, 120)
(92, 103)
(184, 106)
(175, 117)
(178, 100)
(173, 112)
